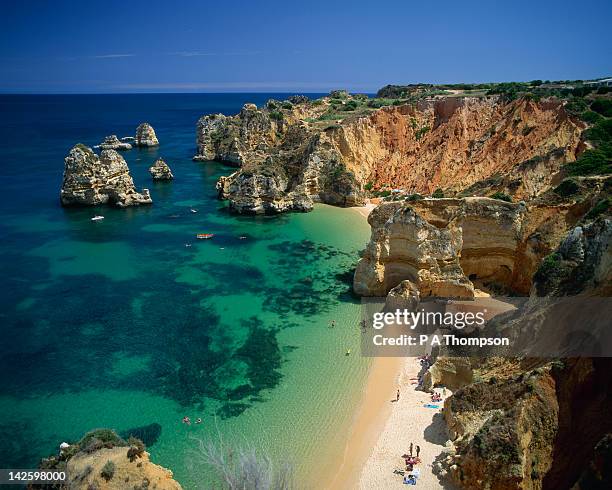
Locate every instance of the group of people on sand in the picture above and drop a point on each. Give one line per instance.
(436, 397)
(412, 473)
(187, 421)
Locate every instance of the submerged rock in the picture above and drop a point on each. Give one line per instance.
(145, 135)
(90, 180)
(160, 170)
(113, 143)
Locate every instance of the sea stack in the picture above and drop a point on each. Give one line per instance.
(113, 143)
(90, 180)
(145, 135)
(160, 170)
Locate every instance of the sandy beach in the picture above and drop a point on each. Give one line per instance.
(366, 209)
(383, 430)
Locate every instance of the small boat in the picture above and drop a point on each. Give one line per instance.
(97, 218)
(205, 236)
(348, 352)
(243, 237)
(193, 210)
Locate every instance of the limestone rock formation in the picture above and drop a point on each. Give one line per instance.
(481, 241)
(160, 170)
(438, 244)
(145, 136)
(284, 165)
(404, 296)
(113, 143)
(451, 372)
(104, 461)
(90, 180)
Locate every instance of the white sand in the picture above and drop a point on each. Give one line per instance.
(409, 421)
(366, 209)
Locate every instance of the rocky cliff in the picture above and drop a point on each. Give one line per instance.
(285, 165)
(536, 423)
(90, 180)
(447, 245)
(291, 155)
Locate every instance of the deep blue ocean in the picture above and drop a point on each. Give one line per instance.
(119, 324)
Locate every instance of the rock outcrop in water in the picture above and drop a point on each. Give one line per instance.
(160, 170)
(288, 156)
(90, 180)
(145, 136)
(113, 143)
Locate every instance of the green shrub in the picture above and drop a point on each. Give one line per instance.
(591, 117)
(107, 437)
(368, 186)
(351, 105)
(421, 132)
(108, 470)
(502, 196)
(593, 162)
(549, 267)
(438, 194)
(414, 197)
(287, 105)
(276, 115)
(567, 188)
(600, 208)
(576, 106)
(601, 132)
(602, 106)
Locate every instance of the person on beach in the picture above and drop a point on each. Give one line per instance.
(410, 450)
(397, 398)
(418, 450)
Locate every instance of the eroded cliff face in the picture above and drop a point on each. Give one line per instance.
(440, 244)
(452, 143)
(90, 180)
(449, 143)
(537, 423)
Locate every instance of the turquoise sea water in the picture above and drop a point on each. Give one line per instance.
(119, 324)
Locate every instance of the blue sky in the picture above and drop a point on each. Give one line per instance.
(310, 46)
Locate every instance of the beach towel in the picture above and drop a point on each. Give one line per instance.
(429, 405)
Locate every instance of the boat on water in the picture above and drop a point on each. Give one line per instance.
(205, 236)
(97, 218)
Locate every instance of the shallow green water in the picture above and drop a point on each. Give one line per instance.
(119, 324)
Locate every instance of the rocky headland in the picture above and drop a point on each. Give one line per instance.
(90, 180)
(160, 170)
(102, 460)
(145, 136)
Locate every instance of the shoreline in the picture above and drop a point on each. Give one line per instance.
(366, 209)
(369, 420)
